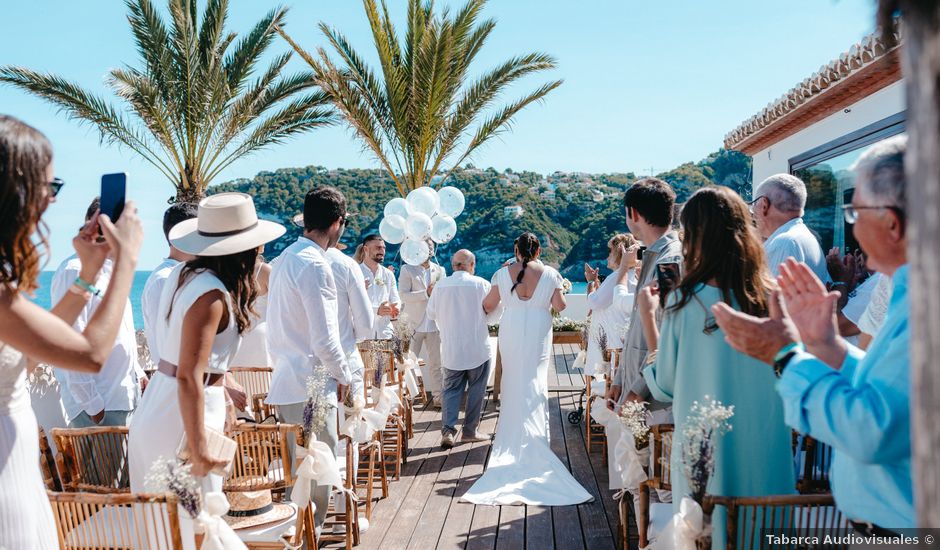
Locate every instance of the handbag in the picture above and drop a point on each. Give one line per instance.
(221, 448)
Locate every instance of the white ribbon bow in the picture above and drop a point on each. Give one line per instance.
(218, 534)
(580, 360)
(687, 526)
(630, 461)
(318, 464)
(362, 424)
(405, 367)
(386, 400)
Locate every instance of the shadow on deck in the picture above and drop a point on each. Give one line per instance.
(424, 511)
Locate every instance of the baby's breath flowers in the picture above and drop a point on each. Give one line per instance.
(705, 422)
(168, 475)
(318, 404)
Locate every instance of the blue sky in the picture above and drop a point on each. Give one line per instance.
(648, 85)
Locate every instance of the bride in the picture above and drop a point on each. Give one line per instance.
(522, 468)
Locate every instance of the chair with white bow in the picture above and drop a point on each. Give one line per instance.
(383, 390)
(257, 382)
(259, 465)
(651, 518)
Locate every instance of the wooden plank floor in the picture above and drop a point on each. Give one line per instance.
(423, 510)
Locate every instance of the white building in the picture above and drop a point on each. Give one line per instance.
(821, 126)
(514, 211)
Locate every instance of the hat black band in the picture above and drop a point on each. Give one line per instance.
(227, 233)
(250, 513)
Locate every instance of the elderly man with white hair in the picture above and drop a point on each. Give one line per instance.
(857, 402)
(778, 210)
(456, 305)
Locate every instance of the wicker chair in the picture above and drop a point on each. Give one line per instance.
(348, 518)
(378, 354)
(660, 477)
(747, 517)
(93, 459)
(86, 521)
(816, 458)
(263, 452)
(50, 475)
(257, 383)
(371, 472)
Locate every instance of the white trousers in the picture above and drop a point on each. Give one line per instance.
(428, 344)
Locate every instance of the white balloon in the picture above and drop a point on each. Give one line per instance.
(451, 201)
(398, 207)
(396, 221)
(418, 226)
(423, 200)
(443, 228)
(414, 252)
(391, 234)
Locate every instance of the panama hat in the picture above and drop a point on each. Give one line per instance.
(255, 508)
(227, 224)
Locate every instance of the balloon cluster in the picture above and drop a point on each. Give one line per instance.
(424, 213)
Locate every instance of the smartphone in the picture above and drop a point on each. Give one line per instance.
(667, 276)
(639, 253)
(113, 195)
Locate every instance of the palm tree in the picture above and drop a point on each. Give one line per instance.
(190, 109)
(418, 115)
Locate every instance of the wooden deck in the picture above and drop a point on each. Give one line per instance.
(423, 510)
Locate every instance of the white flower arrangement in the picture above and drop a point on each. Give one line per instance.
(565, 286)
(169, 476)
(318, 404)
(634, 416)
(705, 422)
(41, 379)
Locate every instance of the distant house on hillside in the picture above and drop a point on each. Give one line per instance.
(514, 211)
(597, 196)
(548, 195)
(822, 125)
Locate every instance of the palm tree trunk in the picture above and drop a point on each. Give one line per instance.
(188, 194)
(921, 69)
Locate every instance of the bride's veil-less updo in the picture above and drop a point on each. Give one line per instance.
(25, 155)
(527, 246)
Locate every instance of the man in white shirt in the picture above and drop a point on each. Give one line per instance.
(415, 285)
(153, 288)
(381, 287)
(355, 312)
(109, 397)
(456, 305)
(303, 324)
(778, 210)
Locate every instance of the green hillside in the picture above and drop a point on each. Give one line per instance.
(572, 213)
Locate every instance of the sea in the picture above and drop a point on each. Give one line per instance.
(44, 299)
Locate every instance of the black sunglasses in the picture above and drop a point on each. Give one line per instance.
(56, 185)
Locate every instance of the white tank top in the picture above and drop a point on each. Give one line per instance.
(169, 331)
(253, 351)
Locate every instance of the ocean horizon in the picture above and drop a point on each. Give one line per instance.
(44, 298)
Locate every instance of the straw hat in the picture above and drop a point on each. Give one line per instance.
(227, 224)
(254, 508)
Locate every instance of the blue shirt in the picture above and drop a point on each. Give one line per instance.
(863, 412)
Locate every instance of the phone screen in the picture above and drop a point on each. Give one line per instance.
(667, 276)
(639, 253)
(113, 194)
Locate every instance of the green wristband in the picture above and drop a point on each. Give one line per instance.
(792, 346)
(87, 287)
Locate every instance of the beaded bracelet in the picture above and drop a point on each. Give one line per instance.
(87, 287)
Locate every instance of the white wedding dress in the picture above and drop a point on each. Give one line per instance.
(25, 515)
(522, 468)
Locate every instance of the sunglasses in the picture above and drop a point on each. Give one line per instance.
(56, 185)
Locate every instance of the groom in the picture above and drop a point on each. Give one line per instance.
(456, 305)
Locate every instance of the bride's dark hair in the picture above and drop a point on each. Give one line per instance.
(527, 246)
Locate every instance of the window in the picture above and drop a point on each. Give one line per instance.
(830, 184)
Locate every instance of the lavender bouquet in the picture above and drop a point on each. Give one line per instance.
(318, 404)
(706, 421)
(172, 477)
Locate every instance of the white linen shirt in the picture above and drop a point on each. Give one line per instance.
(381, 287)
(150, 304)
(355, 308)
(115, 387)
(303, 325)
(456, 305)
(794, 239)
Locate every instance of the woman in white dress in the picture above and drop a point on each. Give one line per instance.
(608, 318)
(27, 188)
(522, 468)
(205, 307)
